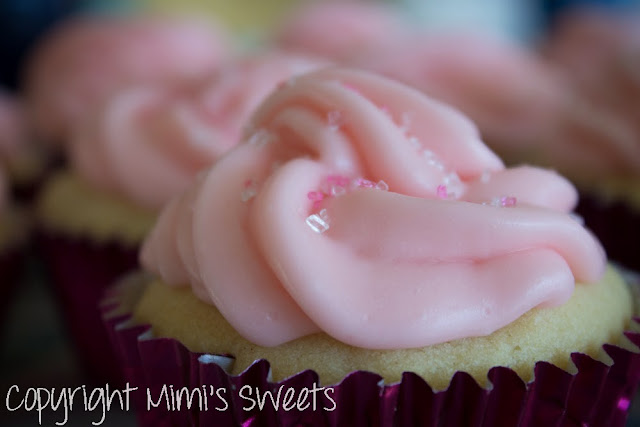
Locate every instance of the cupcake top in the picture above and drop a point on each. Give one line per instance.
(87, 58)
(148, 142)
(359, 207)
(339, 29)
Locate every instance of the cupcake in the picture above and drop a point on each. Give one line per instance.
(370, 247)
(146, 144)
(85, 59)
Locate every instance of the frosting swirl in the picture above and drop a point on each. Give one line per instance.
(361, 208)
(148, 142)
(86, 59)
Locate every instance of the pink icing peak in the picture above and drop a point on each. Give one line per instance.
(408, 269)
(149, 141)
(86, 59)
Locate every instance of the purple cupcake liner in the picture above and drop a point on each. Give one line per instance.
(80, 271)
(617, 226)
(596, 395)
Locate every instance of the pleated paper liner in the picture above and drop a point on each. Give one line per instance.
(617, 226)
(80, 270)
(597, 394)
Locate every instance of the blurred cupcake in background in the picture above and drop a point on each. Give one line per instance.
(145, 144)
(340, 30)
(583, 39)
(599, 53)
(85, 59)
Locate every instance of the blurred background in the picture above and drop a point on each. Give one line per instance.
(35, 350)
(22, 22)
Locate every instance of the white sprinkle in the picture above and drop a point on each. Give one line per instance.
(414, 141)
(337, 190)
(405, 121)
(260, 138)
(436, 164)
(249, 192)
(335, 120)
(318, 222)
(381, 185)
(428, 154)
(451, 178)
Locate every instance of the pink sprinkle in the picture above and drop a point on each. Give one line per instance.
(248, 183)
(317, 204)
(315, 195)
(361, 182)
(508, 201)
(441, 191)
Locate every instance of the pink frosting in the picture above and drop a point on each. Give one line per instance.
(148, 142)
(504, 88)
(522, 105)
(599, 53)
(585, 38)
(339, 29)
(88, 58)
(361, 208)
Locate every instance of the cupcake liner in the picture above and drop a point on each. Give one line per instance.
(617, 226)
(597, 394)
(80, 271)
